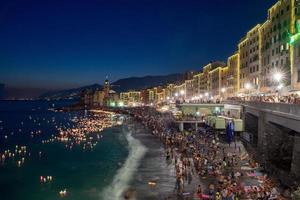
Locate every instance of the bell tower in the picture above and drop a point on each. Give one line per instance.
(106, 87)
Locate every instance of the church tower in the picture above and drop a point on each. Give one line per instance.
(106, 88)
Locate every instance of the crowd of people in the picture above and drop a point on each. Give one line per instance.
(225, 172)
(293, 98)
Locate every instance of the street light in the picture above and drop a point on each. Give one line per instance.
(280, 86)
(278, 76)
(248, 86)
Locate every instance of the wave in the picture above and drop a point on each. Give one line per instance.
(121, 180)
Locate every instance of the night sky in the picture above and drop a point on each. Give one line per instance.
(70, 43)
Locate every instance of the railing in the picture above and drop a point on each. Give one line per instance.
(293, 109)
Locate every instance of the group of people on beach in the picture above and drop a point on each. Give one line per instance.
(224, 172)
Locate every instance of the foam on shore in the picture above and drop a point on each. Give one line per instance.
(124, 175)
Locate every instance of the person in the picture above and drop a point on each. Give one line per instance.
(218, 196)
(199, 192)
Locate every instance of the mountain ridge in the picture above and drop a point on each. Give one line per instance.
(121, 85)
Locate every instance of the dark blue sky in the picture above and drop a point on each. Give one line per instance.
(68, 43)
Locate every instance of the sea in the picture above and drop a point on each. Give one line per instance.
(127, 157)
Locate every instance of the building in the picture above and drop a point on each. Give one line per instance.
(253, 58)
(104, 97)
(196, 84)
(207, 77)
(294, 41)
(249, 51)
(233, 75)
(275, 51)
(218, 82)
(215, 82)
(131, 98)
(188, 88)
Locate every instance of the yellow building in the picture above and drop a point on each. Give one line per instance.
(249, 50)
(218, 82)
(196, 84)
(189, 89)
(206, 79)
(131, 97)
(233, 75)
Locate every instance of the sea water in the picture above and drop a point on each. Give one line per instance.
(126, 157)
(84, 174)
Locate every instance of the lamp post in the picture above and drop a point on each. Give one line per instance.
(182, 94)
(206, 95)
(223, 90)
(277, 78)
(248, 86)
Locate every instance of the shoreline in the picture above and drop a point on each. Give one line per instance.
(163, 129)
(122, 178)
(230, 171)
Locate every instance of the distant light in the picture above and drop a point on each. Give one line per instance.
(168, 98)
(200, 96)
(206, 94)
(197, 113)
(176, 94)
(223, 90)
(121, 103)
(212, 98)
(181, 92)
(112, 104)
